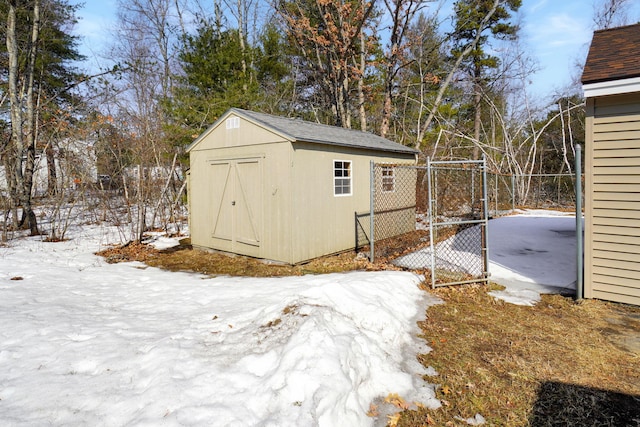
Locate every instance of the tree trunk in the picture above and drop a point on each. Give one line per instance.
(361, 97)
(52, 175)
(23, 138)
(242, 38)
(477, 118)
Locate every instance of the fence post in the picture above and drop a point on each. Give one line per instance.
(496, 175)
(430, 213)
(485, 208)
(513, 192)
(579, 249)
(473, 188)
(372, 195)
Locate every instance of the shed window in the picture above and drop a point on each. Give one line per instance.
(388, 179)
(341, 178)
(233, 123)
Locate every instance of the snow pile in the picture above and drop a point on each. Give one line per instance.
(88, 343)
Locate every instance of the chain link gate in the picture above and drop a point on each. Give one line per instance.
(430, 217)
(458, 211)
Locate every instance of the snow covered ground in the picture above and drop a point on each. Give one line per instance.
(83, 342)
(533, 252)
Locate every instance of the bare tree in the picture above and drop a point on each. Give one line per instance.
(611, 13)
(454, 69)
(145, 44)
(402, 14)
(20, 161)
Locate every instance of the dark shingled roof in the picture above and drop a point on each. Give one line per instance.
(303, 131)
(614, 54)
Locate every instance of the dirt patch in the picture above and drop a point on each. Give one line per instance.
(624, 329)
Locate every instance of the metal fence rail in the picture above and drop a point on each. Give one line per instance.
(507, 192)
(435, 217)
(429, 217)
(460, 256)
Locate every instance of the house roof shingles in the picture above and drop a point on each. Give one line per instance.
(614, 54)
(304, 131)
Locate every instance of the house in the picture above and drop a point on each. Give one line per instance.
(611, 83)
(282, 189)
(74, 161)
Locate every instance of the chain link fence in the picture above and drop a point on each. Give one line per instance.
(537, 191)
(458, 222)
(417, 208)
(394, 195)
(435, 217)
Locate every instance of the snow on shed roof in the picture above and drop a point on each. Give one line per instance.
(305, 131)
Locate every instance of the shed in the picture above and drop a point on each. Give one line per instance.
(282, 189)
(611, 83)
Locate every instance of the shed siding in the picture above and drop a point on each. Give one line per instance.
(324, 223)
(612, 205)
(272, 190)
(246, 133)
(256, 190)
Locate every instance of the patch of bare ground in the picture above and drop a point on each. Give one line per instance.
(559, 363)
(185, 258)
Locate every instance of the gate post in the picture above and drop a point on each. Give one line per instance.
(579, 248)
(430, 212)
(372, 195)
(485, 208)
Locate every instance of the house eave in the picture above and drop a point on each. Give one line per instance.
(611, 87)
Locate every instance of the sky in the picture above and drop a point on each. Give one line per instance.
(555, 33)
(84, 342)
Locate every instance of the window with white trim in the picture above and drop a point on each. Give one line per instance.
(388, 179)
(233, 123)
(342, 177)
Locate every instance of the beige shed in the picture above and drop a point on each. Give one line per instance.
(282, 189)
(611, 83)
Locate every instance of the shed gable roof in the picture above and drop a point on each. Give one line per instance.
(613, 55)
(297, 130)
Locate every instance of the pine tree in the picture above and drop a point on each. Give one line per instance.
(38, 73)
(470, 25)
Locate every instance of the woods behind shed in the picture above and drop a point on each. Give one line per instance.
(282, 189)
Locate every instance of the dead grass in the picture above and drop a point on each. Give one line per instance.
(558, 363)
(185, 258)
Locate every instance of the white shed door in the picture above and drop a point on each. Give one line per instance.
(236, 203)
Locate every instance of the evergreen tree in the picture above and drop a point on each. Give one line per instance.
(273, 67)
(212, 80)
(36, 77)
(471, 24)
